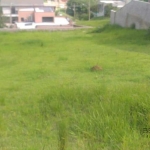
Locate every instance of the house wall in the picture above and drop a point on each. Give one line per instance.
(24, 14)
(6, 10)
(38, 16)
(135, 12)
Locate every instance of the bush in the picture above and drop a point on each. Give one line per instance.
(85, 16)
(70, 12)
(108, 9)
(133, 26)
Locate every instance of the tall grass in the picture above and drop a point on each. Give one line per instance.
(50, 98)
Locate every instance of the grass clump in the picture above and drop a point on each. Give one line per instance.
(62, 135)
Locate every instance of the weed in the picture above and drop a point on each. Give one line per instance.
(138, 116)
(147, 35)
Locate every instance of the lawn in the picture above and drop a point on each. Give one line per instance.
(51, 100)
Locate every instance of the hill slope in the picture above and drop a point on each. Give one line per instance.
(50, 98)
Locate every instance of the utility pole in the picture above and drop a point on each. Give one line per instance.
(10, 19)
(33, 19)
(89, 9)
(0, 15)
(74, 9)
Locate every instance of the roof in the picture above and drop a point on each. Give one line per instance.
(21, 2)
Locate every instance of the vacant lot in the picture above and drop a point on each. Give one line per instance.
(51, 99)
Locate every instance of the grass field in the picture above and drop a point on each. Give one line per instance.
(51, 100)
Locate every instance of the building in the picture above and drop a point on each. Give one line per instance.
(36, 14)
(27, 11)
(134, 14)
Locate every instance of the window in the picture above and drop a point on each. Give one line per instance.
(22, 19)
(47, 19)
(13, 10)
(28, 24)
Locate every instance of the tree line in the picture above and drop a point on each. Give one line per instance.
(81, 9)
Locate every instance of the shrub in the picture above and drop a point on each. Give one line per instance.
(85, 16)
(70, 12)
(133, 26)
(108, 9)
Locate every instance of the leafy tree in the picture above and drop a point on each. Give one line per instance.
(108, 9)
(1, 18)
(79, 7)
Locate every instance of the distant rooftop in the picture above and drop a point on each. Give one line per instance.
(21, 2)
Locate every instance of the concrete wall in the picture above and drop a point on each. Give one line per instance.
(112, 16)
(135, 12)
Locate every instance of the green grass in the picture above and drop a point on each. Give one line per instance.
(95, 22)
(51, 100)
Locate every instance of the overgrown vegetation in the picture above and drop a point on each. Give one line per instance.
(108, 9)
(51, 99)
(81, 9)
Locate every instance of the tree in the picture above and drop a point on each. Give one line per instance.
(108, 9)
(80, 5)
(1, 18)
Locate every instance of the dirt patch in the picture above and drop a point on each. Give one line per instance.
(96, 68)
